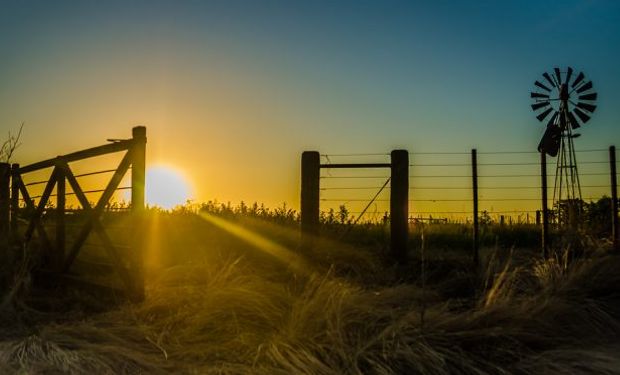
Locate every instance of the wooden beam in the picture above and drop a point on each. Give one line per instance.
(614, 198)
(354, 166)
(36, 215)
(99, 230)
(399, 205)
(59, 252)
(30, 205)
(96, 212)
(310, 182)
(474, 177)
(138, 182)
(5, 189)
(79, 155)
(15, 178)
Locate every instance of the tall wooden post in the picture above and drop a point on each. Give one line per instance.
(474, 177)
(614, 197)
(545, 211)
(399, 205)
(15, 178)
(138, 173)
(59, 256)
(5, 181)
(310, 182)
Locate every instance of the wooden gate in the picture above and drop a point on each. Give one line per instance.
(128, 265)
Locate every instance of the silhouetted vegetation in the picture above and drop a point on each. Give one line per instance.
(217, 303)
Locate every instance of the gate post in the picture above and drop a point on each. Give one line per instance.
(399, 205)
(5, 180)
(138, 173)
(474, 177)
(614, 197)
(545, 211)
(310, 182)
(15, 177)
(59, 256)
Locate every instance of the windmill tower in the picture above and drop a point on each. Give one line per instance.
(564, 101)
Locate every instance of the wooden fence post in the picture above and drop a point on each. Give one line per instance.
(614, 197)
(399, 205)
(545, 211)
(59, 255)
(474, 176)
(310, 182)
(5, 181)
(138, 177)
(15, 177)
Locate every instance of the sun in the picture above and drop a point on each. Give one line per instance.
(166, 187)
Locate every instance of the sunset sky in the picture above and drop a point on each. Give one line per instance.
(232, 92)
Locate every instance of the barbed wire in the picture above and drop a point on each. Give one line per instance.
(494, 164)
(463, 163)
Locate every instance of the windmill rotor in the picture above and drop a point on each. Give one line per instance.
(563, 101)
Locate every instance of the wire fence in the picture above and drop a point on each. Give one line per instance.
(441, 184)
(90, 181)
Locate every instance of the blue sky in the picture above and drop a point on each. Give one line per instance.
(233, 91)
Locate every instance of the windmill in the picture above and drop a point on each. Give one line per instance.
(566, 104)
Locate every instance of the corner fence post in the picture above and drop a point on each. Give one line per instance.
(15, 177)
(474, 176)
(545, 211)
(399, 205)
(59, 256)
(5, 181)
(138, 173)
(614, 197)
(310, 182)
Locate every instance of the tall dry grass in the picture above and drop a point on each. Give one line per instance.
(234, 312)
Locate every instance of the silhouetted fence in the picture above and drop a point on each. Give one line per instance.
(311, 167)
(474, 187)
(21, 207)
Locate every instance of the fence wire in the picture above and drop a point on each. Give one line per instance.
(440, 184)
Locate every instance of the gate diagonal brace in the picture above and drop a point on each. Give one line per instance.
(93, 219)
(41, 206)
(35, 221)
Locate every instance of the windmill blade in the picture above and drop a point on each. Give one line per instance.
(548, 78)
(538, 95)
(585, 87)
(579, 78)
(542, 86)
(540, 105)
(588, 107)
(569, 73)
(544, 114)
(558, 74)
(592, 96)
(582, 116)
(573, 121)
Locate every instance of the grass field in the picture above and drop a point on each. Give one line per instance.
(234, 294)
